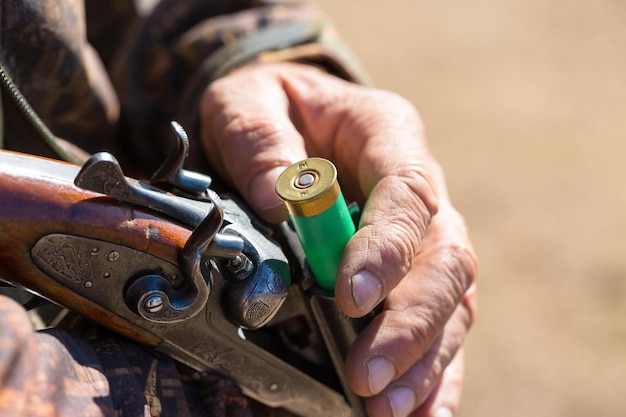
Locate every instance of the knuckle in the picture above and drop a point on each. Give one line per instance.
(409, 334)
(401, 248)
(469, 305)
(251, 129)
(399, 232)
(216, 94)
(417, 180)
(391, 247)
(422, 329)
(460, 264)
(402, 107)
(416, 202)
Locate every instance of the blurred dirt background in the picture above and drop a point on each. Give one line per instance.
(525, 107)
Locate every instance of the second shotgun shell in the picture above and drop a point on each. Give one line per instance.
(319, 214)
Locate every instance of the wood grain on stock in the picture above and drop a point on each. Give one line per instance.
(32, 206)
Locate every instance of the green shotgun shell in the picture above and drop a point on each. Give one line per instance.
(319, 214)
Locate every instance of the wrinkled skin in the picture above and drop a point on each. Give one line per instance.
(411, 252)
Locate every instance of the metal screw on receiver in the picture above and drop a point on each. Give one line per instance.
(153, 303)
(240, 266)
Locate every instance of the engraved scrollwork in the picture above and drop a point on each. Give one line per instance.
(65, 260)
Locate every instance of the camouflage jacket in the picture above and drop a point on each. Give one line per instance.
(111, 75)
(56, 372)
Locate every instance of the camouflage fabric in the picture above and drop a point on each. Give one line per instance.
(121, 96)
(60, 373)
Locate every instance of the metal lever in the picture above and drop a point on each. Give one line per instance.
(103, 174)
(172, 175)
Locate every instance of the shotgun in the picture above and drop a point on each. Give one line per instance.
(173, 265)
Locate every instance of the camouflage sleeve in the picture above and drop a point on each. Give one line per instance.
(109, 76)
(183, 46)
(40, 377)
(45, 51)
(58, 373)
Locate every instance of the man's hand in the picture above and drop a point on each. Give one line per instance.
(411, 251)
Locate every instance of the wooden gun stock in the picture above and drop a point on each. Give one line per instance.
(38, 198)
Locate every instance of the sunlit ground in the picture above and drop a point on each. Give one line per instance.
(525, 107)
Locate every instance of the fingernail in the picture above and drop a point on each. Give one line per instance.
(366, 290)
(443, 412)
(380, 373)
(261, 189)
(401, 400)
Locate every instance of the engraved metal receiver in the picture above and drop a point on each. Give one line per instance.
(255, 271)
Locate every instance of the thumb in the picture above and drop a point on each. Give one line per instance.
(249, 137)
